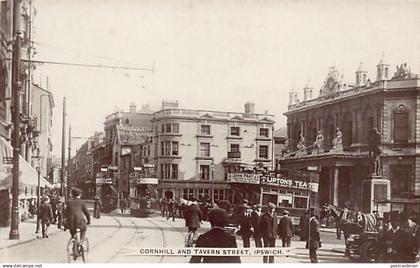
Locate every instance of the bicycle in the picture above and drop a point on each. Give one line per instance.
(191, 238)
(76, 248)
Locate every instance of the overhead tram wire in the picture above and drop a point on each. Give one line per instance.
(84, 53)
(91, 65)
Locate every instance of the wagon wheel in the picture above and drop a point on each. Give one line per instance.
(369, 252)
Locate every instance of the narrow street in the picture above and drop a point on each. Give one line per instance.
(116, 238)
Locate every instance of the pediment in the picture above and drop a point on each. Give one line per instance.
(237, 117)
(266, 120)
(207, 116)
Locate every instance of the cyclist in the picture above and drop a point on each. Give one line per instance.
(77, 214)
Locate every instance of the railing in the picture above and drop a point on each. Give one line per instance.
(199, 113)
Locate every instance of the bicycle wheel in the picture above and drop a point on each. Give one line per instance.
(75, 251)
(70, 247)
(84, 249)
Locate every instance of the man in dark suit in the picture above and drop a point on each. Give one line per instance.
(46, 215)
(314, 239)
(193, 216)
(77, 214)
(216, 238)
(286, 229)
(246, 226)
(255, 221)
(268, 226)
(303, 226)
(97, 205)
(397, 244)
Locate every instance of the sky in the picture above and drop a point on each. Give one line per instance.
(210, 55)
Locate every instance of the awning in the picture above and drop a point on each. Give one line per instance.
(28, 175)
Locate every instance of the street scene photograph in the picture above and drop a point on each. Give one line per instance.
(172, 132)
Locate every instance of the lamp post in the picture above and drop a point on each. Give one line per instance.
(38, 194)
(16, 97)
(212, 182)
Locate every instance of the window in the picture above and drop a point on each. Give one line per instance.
(264, 132)
(203, 194)
(169, 148)
(300, 202)
(170, 128)
(400, 179)
(234, 131)
(205, 129)
(205, 149)
(204, 172)
(174, 148)
(188, 193)
(263, 151)
(169, 171)
(234, 148)
(401, 127)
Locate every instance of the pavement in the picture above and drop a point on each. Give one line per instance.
(27, 233)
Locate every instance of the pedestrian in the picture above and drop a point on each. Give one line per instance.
(216, 238)
(399, 244)
(268, 226)
(171, 210)
(245, 224)
(255, 221)
(286, 229)
(193, 216)
(60, 213)
(46, 215)
(97, 206)
(314, 238)
(122, 205)
(303, 226)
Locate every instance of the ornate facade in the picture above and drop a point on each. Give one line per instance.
(345, 115)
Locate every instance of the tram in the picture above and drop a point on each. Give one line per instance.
(106, 190)
(143, 192)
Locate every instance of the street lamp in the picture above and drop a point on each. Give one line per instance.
(38, 219)
(212, 182)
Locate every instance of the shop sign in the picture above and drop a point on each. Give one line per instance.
(289, 183)
(147, 181)
(243, 178)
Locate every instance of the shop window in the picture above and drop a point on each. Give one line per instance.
(204, 172)
(203, 194)
(234, 131)
(300, 202)
(263, 151)
(400, 179)
(205, 129)
(188, 193)
(205, 149)
(285, 200)
(264, 132)
(401, 130)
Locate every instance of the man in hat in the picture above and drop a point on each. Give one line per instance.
(268, 226)
(193, 217)
(97, 205)
(46, 215)
(396, 243)
(286, 229)
(314, 238)
(303, 226)
(77, 214)
(245, 224)
(216, 238)
(255, 221)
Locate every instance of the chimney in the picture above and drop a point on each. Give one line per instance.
(250, 108)
(133, 107)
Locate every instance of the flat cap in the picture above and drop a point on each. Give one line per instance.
(271, 205)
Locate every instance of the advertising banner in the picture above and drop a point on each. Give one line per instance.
(243, 178)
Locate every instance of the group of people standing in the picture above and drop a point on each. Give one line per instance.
(50, 211)
(266, 227)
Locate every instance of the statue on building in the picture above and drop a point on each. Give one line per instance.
(286, 148)
(318, 144)
(337, 142)
(301, 144)
(375, 151)
(402, 71)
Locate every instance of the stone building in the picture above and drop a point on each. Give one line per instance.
(196, 149)
(344, 115)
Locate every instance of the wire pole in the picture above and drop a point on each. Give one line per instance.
(16, 96)
(69, 159)
(63, 152)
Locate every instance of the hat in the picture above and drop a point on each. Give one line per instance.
(76, 192)
(271, 205)
(218, 217)
(285, 212)
(246, 201)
